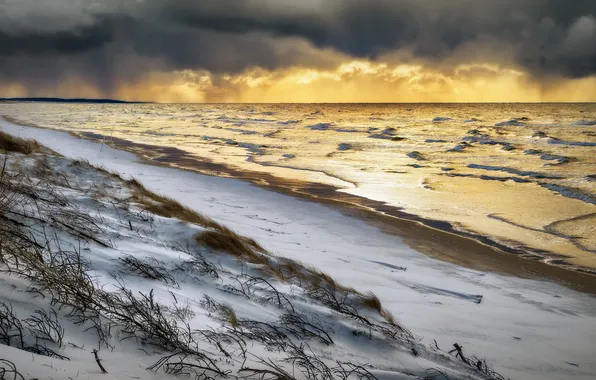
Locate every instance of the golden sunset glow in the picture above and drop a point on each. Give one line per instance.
(354, 81)
(358, 81)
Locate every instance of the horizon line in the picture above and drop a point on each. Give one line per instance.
(116, 101)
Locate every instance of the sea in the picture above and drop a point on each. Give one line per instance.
(519, 176)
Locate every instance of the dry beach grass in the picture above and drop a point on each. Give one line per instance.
(9, 143)
(31, 198)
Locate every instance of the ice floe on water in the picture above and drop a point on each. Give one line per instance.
(585, 122)
(555, 141)
(440, 119)
(458, 148)
(242, 121)
(570, 192)
(554, 157)
(288, 122)
(511, 123)
(481, 138)
(242, 131)
(504, 179)
(386, 134)
(320, 126)
(523, 173)
(416, 155)
(532, 152)
(507, 146)
(347, 130)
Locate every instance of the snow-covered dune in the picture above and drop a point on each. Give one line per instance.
(528, 329)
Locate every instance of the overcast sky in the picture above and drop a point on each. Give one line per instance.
(198, 50)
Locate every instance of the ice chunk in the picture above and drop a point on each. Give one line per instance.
(288, 122)
(416, 155)
(555, 141)
(554, 157)
(441, 119)
(585, 122)
(511, 123)
(507, 146)
(532, 151)
(320, 126)
(458, 148)
(523, 173)
(570, 192)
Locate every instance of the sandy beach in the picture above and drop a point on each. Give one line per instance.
(531, 329)
(516, 177)
(431, 237)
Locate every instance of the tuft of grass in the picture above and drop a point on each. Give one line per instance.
(228, 241)
(167, 207)
(274, 270)
(228, 315)
(371, 301)
(388, 317)
(81, 163)
(11, 143)
(218, 241)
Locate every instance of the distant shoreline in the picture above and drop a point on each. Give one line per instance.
(70, 100)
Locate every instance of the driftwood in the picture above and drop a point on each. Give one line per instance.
(460, 353)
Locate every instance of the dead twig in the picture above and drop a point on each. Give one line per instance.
(98, 361)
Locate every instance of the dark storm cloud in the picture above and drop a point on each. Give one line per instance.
(107, 40)
(75, 41)
(546, 36)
